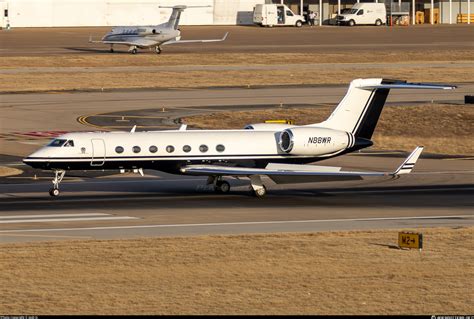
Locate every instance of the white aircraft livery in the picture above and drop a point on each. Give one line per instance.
(141, 37)
(278, 151)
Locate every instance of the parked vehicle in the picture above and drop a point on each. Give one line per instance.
(276, 15)
(363, 13)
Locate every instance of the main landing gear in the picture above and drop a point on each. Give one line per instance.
(220, 186)
(223, 187)
(133, 49)
(157, 49)
(58, 177)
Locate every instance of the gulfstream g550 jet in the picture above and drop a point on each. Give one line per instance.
(151, 36)
(274, 150)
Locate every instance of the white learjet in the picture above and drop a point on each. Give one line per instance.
(275, 150)
(141, 37)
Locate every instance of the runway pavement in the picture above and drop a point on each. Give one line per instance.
(52, 41)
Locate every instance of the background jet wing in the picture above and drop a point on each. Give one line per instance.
(195, 41)
(291, 173)
(139, 42)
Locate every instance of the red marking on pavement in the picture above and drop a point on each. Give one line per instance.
(42, 134)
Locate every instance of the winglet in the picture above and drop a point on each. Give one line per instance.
(133, 129)
(90, 38)
(225, 36)
(409, 163)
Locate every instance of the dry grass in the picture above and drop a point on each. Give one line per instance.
(441, 128)
(109, 80)
(192, 79)
(320, 273)
(114, 60)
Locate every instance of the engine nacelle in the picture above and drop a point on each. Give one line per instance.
(267, 127)
(313, 141)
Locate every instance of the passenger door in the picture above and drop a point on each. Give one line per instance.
(98, 152)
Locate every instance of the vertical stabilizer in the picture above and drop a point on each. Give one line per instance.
(360, 109)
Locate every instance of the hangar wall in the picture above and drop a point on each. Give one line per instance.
(65, 13)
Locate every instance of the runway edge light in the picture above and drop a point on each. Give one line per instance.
(410, 240)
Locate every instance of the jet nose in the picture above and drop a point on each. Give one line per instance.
(38, 159)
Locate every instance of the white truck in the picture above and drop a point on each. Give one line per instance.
(276, 15)
(363, 13)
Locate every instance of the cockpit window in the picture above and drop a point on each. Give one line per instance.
(57, 142)
(69, 143)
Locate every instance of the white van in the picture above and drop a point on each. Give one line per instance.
(363, 13)
(276, 15)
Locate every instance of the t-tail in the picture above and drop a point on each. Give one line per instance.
(360, 109)
(173, 21)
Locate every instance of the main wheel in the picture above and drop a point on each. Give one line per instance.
(378, 22)
(157, 50)
(260, 192)
(352, 23)
(299, 24)
(111, 50)
(134, 51)
(222, 187)
(54, 192)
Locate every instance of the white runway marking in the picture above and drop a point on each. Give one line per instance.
(53, 215)
(238, 223)
(16, 221)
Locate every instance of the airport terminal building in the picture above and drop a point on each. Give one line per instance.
(72, 13)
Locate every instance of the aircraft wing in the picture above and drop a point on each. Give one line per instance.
(139, 42)
(292, 173)
(196, 41)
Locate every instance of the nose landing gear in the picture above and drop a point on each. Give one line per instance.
(58, 177)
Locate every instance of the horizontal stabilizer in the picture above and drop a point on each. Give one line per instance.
(196, 41)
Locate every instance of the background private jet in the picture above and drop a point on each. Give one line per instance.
(141, 37)
(275, 150)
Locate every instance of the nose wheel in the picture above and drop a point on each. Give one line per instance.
(58, 177)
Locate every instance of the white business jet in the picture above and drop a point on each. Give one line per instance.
(141, 37)
(274, 150)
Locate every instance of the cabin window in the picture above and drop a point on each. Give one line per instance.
(57, 142)
(220, 148)
(119, 149)
(170, 149)
(203, 148)
(136, 149)
(153, 149)
(69, 143)
(187, 148)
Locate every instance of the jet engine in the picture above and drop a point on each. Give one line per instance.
(313, 141)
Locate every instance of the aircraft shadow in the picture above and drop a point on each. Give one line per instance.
(95, 50)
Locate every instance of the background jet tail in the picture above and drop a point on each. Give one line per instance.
(360, 109)
(173, 21)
